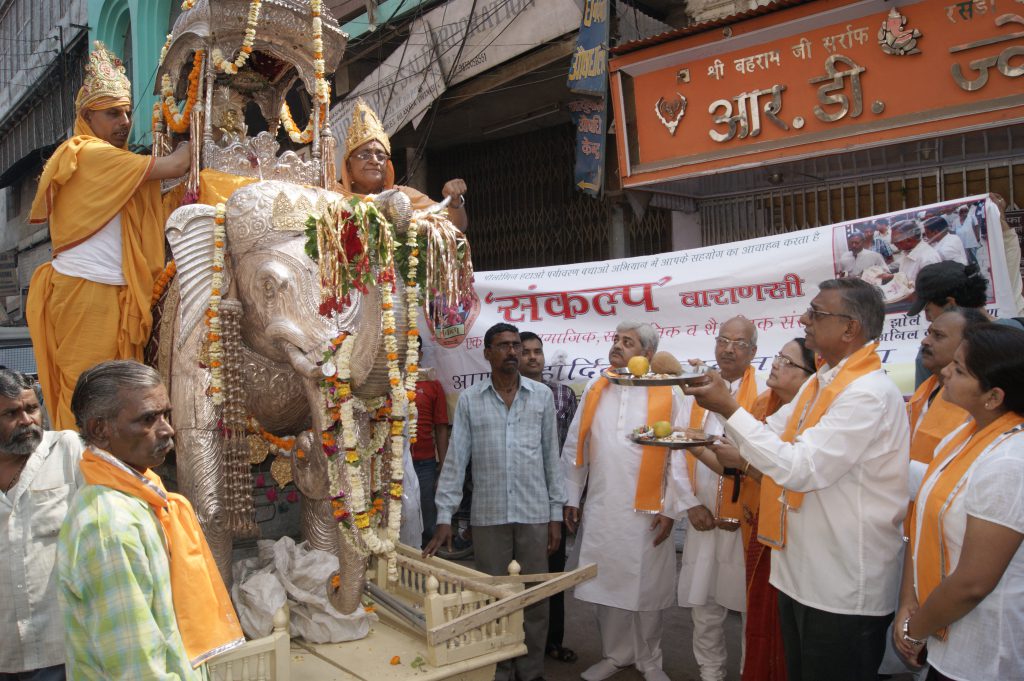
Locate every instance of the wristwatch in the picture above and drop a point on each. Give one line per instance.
(908, 638)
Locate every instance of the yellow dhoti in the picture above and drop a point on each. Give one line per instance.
(75, 324)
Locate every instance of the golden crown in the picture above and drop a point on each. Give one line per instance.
(365, 126)
(105, 80)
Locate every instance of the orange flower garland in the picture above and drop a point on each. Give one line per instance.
(160, 285)
(179, 122)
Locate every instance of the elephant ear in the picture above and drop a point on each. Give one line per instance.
(190, 232)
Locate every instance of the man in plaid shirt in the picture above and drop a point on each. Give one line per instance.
(141, 596)
(532, 365)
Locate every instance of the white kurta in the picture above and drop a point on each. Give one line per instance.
(713, 568)
(632, 573)
(919, 257)
(949, 247)
(843, 545)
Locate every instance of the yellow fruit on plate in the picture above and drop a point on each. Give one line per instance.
(665, 363)
(662, 429)
(638, 365)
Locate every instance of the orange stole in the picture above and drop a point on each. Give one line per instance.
(940, 420)
(202, 607)
(775, 500)
(932, 564)
(651, 479)
(725, 507)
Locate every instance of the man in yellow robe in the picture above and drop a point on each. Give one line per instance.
(106, 216)
(366, 167)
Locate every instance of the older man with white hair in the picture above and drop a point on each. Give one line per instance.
(634, 495)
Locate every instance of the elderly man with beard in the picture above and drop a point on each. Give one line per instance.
(141, 594)
(634, 494)
(38, 476)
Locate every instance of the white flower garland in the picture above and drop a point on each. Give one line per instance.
(412, 297)
(322, 96)
(231, 67)
(216, 350)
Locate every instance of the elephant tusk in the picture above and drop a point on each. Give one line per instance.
(300, 362)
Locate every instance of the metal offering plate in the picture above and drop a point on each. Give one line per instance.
(676, 440)
(623, 377)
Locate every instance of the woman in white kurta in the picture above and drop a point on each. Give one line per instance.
(963, 580)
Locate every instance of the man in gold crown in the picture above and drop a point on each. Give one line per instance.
(106, 215)
(366, 167)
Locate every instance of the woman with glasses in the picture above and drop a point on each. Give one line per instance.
(963, 579)
(366, 167)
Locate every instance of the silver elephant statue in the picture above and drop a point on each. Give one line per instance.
(273, 339)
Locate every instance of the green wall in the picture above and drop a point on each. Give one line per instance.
(109, 21)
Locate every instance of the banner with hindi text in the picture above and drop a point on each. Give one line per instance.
(688, 295)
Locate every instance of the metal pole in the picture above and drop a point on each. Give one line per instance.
(63, 80)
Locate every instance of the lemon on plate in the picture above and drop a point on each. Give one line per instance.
(638, 365)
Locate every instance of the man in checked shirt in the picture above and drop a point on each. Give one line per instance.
(531, 365)
(505, 425)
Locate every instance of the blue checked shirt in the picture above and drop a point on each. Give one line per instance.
(517, 476)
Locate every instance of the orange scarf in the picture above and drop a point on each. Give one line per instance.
(932, 555)
(650, 484)
(725, 507)
(940, 420)
(776, 501)
(202, 607)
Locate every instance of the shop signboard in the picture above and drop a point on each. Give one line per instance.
(818, 77)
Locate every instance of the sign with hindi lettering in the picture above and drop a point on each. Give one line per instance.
(449, 44)
(589, 117)
(588, 71)
(688, 295)
(817, 77)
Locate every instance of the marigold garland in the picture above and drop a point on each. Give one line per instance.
(179, 122)
(160, 285)
(213, 321)
(322, 95)
(232, 67)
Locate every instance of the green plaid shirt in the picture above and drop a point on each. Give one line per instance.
(115, 591)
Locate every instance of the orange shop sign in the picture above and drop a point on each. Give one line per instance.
(814, 78)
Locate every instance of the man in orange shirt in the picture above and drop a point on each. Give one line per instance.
(106, 216)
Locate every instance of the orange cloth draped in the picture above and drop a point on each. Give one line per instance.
(83, 186)
(726, 507)
(217, 187)
(202, 607)
(932, 556)
(765, 658)
(418, 199)
(940, 420)
(775, 501)
(651, 479)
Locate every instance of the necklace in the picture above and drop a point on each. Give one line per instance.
(14, 480)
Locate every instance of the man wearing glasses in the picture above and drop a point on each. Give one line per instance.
(506, 426)
(834, 491)
(712, 580)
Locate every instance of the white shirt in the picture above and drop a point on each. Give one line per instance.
(98, 258)
(632, 573)
(920, 256)
(965, 230)
(853, 265)
(949, 247)
(713, 566)
(985, 643)
(843, 544)
(31, 513)
(1011, 247)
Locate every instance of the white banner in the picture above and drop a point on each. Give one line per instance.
(687, 295)
(413, 76)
